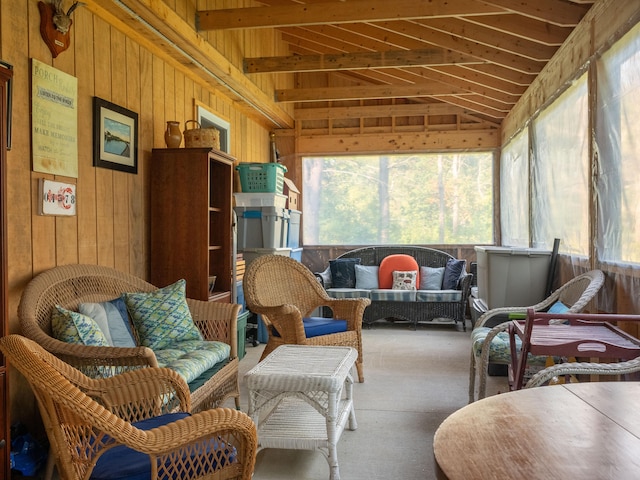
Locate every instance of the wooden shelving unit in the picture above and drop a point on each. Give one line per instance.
(191, 220)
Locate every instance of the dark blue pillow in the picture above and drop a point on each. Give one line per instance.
(343, 272)
(317, 326)
(452, 272)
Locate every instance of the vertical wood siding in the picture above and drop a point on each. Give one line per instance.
(112, 222)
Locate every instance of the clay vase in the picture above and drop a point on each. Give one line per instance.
(173, 136)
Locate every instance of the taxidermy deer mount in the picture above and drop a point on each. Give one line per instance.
(55, 25)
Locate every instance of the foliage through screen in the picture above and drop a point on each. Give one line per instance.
(398, 199)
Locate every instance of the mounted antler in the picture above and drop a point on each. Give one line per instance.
(55, 25)
(62, 20)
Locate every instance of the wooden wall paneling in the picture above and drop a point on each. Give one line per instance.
(42, 228)
(66, 227)
(170, 94)
(135, 205)
(119, 86)
(140, 190)
(159, 115)
(86, 186)
(182, 109)
(104, 176)
(14, 28)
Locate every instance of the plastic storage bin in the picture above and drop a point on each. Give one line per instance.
(242, 333)
(296, 254)
(293, 235)
(512, 277)
(260, 200)
(240, 296)
(261, 177)
(261, 227)
(250, 254)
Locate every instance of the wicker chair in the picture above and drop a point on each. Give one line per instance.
(583, 368)
(98, 427)
(575, 294)
(70, 285)
(284, 292)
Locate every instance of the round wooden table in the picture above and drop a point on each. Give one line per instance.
(576, 431)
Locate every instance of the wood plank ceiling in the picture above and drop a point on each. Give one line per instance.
(376, 63)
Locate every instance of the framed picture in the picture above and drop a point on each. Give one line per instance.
(115, 137)
(208, 119)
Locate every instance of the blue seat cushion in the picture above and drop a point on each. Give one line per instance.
(124, 463)
(317, 326)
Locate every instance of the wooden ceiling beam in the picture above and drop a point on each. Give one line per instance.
(524, 27)
(382, 111)
(396, 142)
(496, 113)
(479, 78)
(487, 36)
(356, 61)
(432, 89)
(555, 12)
(337, 12)
(462, 45)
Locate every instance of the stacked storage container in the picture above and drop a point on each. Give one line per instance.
(263, 219)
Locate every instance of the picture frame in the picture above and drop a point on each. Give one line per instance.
(208, 119)
(115, 137)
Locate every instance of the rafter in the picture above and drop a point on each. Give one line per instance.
(356, 61)
(487, 36)
(524, 27)
(462, 45)
(431, 89)
(337, 12)
(381, 111)
(558, 13)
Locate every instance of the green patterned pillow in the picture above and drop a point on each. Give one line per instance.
(74, 327)
(162, 317)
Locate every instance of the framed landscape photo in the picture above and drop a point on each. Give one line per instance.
(115, 137)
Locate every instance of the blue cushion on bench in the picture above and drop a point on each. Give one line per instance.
(317, 326)
(124, 463)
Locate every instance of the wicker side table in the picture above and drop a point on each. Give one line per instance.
(301, 397)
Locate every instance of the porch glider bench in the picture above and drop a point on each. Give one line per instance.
(105, 322)
(407, 283)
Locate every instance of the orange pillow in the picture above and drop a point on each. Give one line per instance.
(398, 262)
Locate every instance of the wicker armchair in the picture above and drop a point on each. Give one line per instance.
(583, 368)
(285, 292)
(575, 294)
(70, 285)
(97, 427)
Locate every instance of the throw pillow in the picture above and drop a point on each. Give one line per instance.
(452, 273)
(162, 317)
(113, 320)
(404, 280)
(558, 307)
(396, 262)
(366, 276)
(343, 272)
(431, 278)
(73, 327)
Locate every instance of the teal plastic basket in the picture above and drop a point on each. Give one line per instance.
(261, 177)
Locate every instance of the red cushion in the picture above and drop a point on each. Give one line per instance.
(397, 262)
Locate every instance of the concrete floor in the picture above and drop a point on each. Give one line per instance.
(413, 381)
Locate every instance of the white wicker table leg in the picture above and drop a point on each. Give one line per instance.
(296, 399)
